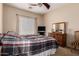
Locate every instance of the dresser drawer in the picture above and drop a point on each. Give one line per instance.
(61, 38)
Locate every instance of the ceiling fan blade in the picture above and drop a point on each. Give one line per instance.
(47, 5)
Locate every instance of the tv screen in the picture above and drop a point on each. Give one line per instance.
(41, 28)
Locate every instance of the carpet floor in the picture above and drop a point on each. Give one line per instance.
(65, 52)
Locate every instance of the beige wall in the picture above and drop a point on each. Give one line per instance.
(68, 13)
(1, 14)
(10, 18)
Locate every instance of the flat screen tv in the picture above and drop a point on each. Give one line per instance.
(41, 28)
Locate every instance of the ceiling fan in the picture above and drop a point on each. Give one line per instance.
(40, 4)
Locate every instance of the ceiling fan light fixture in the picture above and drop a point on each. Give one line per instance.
(30, 7)
(33, 4)
(39, 4)
(36, 4)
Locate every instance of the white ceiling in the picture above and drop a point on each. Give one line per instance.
(35, 9)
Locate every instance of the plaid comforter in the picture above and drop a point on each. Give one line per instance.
(27, 45)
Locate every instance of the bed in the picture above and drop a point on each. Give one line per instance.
(33, 45)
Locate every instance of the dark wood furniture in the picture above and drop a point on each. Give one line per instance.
(59, 33)
(61, 38)
(75, 43)
(76, 35)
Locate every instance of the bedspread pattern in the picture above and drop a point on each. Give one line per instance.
(27, 45)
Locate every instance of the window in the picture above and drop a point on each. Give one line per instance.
(27, 25)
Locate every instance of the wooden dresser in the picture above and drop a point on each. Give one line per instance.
(61, 38)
